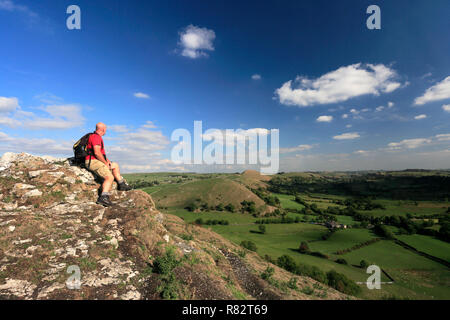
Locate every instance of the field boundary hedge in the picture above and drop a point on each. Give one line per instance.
(358, 246)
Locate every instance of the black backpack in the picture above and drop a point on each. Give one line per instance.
(80, 150)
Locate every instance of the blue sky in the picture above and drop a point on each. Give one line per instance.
(342, 96)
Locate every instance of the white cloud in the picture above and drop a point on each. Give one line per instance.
(443, 137)
(49, 98)
(256, 77)
(420, 116)
(344, 116)
(348, 126)
(119, 128)
(9, 122)
(194, 41)
(149, 125)
(347, 136)
(38, 146)
(339, 85)
(301, 147)
(446, 107)
(439, 91)
(8, 5)
(61, 117)
(8, 104)
(141, 95)
(324, 119)
(380, 108)
(390, 104)
(408, 143)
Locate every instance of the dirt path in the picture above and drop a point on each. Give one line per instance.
(252, 285)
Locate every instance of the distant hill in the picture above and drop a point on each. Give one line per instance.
(213, 191)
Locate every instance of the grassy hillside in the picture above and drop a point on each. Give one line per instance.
(416, 276)
(213, 191)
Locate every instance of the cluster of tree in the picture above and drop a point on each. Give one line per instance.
(200, 221)
(139, 183)
(332, 278)
(197, 205)
(283, 219)
(248, 206)
(365, 204)
(407, 225)
(382, 231)
(269, 199)
(443, 233)
(357, 246)
(250, 245)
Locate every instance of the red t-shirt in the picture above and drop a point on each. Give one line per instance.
(94, 140)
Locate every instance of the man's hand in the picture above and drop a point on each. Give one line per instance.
(108, 162)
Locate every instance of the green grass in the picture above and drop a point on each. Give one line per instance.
(342, 239)
(432, 246)
(287, 201)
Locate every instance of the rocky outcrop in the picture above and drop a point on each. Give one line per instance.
(57, 243)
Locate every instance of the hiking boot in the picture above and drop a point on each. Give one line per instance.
(104, 200)
(123, 186)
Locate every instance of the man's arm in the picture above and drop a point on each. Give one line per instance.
(99, 155)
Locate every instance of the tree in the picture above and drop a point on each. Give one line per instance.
(192, 207)
(304, 248)
(230, 207)
(262, 228)
(247, 244)
(363, 264)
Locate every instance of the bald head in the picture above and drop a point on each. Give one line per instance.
(100, 128)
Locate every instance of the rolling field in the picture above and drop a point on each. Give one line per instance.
(342, 239)
(415, 276)
(431, 246)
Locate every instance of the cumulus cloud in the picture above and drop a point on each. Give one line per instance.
(8, 104)
(9, 122)
(380, 108)
(60, 117)
(347, 136)
(301, 147)
(439, 91)
(195, 41)
(338, 85)
(324, 119)
(443, 137)
(409, 144)
(256, 77)
(420, 116)
(344, 116)
(390, 104)
(446, 107)
(141, 95)
(38, 146)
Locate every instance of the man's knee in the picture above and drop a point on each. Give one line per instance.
(109, 178)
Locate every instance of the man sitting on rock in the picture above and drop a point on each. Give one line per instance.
(100, 165)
